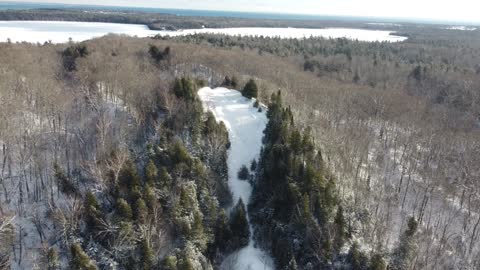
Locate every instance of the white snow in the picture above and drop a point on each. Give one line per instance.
(462, 28)
(60, 32)
(245, 129)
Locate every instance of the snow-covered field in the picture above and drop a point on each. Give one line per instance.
(245, 129)
(60, 32)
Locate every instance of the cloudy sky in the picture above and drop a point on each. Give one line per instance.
(458, 10)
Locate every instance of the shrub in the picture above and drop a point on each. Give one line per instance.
(243, 173)
(250, 90)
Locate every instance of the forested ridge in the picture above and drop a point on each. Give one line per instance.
(369, 156)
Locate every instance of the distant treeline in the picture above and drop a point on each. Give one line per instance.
(157, 21)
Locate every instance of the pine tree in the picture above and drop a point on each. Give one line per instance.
(187, 264)
(184, 88)
(223, 233)
(210, 124)
(197, 233)
(146, 255)
(404, 253)
(243, 173)
(340, 231)
(130, 181)
(292, 265)
(307, 216)
(253, 165)
(92, 212)
(250, 90)
(356, 258)
(53, 262)
(179, 154)
(64, 183)
(165, 179)
(150, 198)
(377, 262)
(234, 82)
(151, 173)
(239, 225)
(80, 260)
(141, 211)
(123, 209)
(227, 82)
(170, 263)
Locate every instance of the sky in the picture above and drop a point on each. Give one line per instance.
(458, 10)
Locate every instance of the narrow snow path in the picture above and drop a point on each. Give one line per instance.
(245, 129)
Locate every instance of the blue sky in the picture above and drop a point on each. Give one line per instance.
(458, 10)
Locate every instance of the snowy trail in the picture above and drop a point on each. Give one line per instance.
(245, 129)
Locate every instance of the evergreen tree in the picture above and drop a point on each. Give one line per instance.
(187, 264)
(80, 260)
(123, 209)
(404, 253)
(234, 82)
(239, 225)
(253, 165)
(165, 179)
(179, 154)
(243, 173)
(307, 216)
(151, 173)
(185, 88)
(159, 55)
(146, 255)
(170, 263)
(141, 211)
(53, 262)
(292, 265)
(356, 258)
(250, 90)
(223, 233)
(377, 262)
(64, 183)
(210, 124)
(227, 82)
(150, 198)
(197, 233)
(93, 212)
(130, 182)
(340, 229)
(70, 55)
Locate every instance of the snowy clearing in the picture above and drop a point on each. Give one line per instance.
(60, 32)
(245, 129)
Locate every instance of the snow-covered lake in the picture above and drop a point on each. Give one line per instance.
(59, 32)
(245, 127)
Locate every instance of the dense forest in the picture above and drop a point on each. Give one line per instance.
(369, 159)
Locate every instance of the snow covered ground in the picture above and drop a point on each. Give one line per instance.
(245, 127)
(462, 28)
(60, 32)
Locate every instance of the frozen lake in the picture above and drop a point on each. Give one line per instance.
(59, 32)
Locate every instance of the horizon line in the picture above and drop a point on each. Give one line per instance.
(239, 12)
